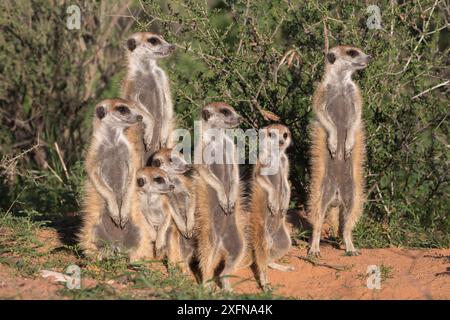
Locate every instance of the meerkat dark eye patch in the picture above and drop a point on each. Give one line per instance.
(123, 109)
(156, 163)
(225, 112)
(285, 135)
(140, 182)
(158, 180)
(206, 115)
(153, 41)
(352, 53)
(100, 112)
(331, 57)
(131, 44)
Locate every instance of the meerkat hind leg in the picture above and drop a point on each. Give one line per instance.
(314, 249)
(349, 222)
(349, 215)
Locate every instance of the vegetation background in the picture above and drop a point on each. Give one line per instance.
(258, 56)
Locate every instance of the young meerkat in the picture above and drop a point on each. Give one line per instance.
(337, 152)
(148, 84)
(180, 246)
(111, 216)
(182, 199)
(152, 186)
(219, 217)
(269, 238)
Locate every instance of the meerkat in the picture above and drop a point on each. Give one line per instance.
(182, 199)
(111, 216)
(269, 238)
(148, 84)
(152, 186)
(219, 218)
(180, 245)
(337, 152)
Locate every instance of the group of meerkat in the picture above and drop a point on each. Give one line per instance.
(142, 198)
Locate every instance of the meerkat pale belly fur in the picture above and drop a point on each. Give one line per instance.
(148, 84)
(337, 152)
(111, 218)
(219, 219)
(269, 238)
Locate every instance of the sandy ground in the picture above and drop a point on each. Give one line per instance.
(406, 274)
(409, 274)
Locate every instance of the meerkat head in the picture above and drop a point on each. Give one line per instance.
(147, 45)
(220, 115)
(277, 133)
(346, 59)
(170, 161)
(117, 112)
(153, 180)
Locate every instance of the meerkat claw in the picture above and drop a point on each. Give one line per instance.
(123, 222)
(352, 253)
(314, 254)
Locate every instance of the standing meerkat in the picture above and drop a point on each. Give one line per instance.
(219, 217)
(148, 84)
(152, 186)
(337, 152)
(111, 216)
(269, 238)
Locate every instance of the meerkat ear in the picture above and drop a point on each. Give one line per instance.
(100, 112)
(331, 57)
(131, 44)
(206, 114)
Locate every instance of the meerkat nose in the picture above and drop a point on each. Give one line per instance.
(139, 117)
(172, 47)
(368, 57)
(171, 187)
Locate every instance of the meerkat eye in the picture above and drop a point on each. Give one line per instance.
(157, 163)
(159, 180)
(352, 53)
(270, 134)
(285, 135)
(153, 41)
(141, 182)
(123, 109)
(225, 112)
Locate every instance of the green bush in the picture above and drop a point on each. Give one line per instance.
(258, 56)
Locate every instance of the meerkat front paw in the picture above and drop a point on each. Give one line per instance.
(231, 207)
(272, 209)
(116, 219)
(123, 221)
(332, 145)
(224, 206)
(348, 149)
